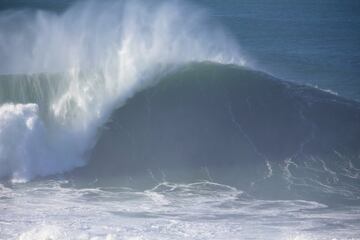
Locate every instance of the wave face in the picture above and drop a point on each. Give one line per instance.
(240, 127)
(132, 91)
(64, 73)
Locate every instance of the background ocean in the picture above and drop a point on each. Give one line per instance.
(310, 42)
(201, 119)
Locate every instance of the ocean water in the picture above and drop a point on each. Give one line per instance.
(179, 119)
(311, 42)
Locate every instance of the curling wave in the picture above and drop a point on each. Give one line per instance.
(128, 91)
(236, 126)
(64, 73)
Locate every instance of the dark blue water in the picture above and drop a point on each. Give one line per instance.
(312, 42)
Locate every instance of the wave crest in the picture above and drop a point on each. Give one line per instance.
(103, 53)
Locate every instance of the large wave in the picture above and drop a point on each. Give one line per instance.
(64, 73)
(236, 126)
(155, 93)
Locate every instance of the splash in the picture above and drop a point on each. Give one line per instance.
(101, 55)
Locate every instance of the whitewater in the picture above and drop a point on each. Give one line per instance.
(139, 120)
(104, 53)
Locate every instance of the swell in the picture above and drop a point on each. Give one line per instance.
(229, 124)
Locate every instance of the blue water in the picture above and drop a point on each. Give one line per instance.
(312, 42)
(144, 120)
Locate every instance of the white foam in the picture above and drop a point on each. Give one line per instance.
(45, 210)
(24, 149)
(106, 52)
(44, 232)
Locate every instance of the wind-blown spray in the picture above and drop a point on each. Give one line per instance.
(80, 65)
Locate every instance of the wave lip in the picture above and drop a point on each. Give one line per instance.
(79, 65)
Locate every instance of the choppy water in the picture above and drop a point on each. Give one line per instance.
(202, 210)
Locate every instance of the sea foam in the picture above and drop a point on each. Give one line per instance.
(105, 52)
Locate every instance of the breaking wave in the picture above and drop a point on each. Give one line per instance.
(64, 73)
(236, 126)
(159, 93)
